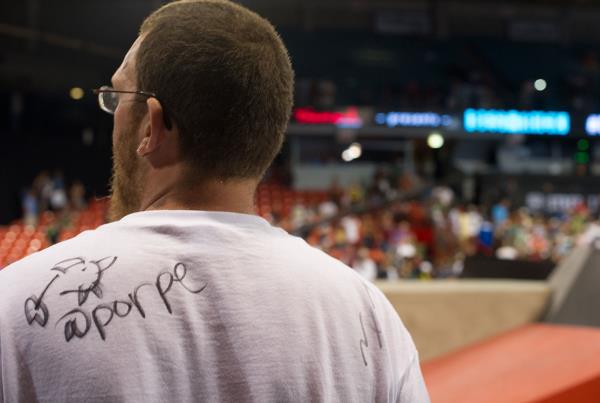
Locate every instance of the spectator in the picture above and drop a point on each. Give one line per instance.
(364, 265)
(30, 208)
(77, 196)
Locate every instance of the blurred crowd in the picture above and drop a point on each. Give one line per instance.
(478, 83)
(432, 235)
(49, 196)
(377, 229)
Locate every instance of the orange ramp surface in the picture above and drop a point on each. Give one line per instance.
(535, 363)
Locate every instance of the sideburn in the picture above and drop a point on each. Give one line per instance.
(126, 181)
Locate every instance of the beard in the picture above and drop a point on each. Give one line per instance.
(126, 181)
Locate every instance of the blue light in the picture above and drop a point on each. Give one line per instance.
(413, 119)
(592, 125)
(517, 122)
(380, 118)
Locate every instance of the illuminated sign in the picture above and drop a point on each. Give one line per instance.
(413, 119)
(347, 118)
(592, 125)
(560, 202)
(517, 122)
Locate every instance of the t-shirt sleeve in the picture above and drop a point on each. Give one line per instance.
(412, 387)
(1, 387)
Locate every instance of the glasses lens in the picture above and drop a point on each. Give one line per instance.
(108, 100)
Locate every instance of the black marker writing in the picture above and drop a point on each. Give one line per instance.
(35, 308)
(104, 314)
(93, 283)
(374, 326)
(163, 287)
(364, 342)
(100, 322)
(133, 297)
(64, 265)
(71, 325)
(121, 314)
(374, 321)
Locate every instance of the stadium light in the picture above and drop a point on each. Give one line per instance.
(540, 84)
(592, 125)
(76, 93)
(353, 152)
(435, 141)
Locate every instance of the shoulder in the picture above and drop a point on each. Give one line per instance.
(391, 320)
(46, 255)
(17, 278)
(28, 286)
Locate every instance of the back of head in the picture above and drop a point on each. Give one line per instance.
(225, 78)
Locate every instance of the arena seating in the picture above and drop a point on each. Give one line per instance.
(18, 240)
(274, 198)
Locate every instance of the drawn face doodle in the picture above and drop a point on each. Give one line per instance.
(89, 272)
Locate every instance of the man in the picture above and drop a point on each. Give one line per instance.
(188, 296)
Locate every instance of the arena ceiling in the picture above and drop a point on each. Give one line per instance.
(48, 45)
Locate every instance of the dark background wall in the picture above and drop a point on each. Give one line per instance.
(53, 133)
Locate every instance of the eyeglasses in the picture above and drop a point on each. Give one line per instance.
(108, 99)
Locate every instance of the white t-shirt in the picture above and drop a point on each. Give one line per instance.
(366, 268)
(186, 306)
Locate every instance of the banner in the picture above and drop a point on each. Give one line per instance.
(517, 122)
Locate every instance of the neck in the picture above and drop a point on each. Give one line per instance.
(165, 193)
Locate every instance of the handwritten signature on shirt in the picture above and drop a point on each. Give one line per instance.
(79, 321)
(373, 325)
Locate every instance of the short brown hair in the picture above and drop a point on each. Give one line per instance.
(225, 78)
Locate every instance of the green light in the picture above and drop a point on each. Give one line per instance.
(582, 158)
(583, 145)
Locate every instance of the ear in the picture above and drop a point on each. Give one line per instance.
(156, 131)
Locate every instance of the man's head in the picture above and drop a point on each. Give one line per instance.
(223, 83)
